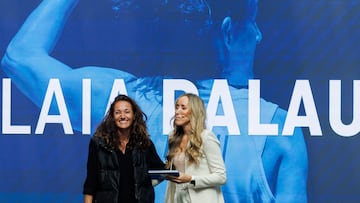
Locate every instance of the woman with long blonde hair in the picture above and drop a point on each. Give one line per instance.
(195, 152)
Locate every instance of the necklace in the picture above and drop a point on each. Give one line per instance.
(123, 143)
(184, 143)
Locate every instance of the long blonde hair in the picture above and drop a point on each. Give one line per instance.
(197, 123)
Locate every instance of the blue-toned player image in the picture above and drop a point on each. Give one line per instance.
(162, 47)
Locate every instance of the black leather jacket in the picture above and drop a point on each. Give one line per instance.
(106, 187)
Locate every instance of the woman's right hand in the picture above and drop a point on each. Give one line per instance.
(182, 178)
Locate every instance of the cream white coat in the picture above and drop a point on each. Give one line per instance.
(209, 175)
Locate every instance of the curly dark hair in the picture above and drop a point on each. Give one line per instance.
(139, 135)
(189, 10)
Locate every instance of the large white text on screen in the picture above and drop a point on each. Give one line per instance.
(302, 94)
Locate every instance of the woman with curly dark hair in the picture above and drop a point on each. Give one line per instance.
(120, 155)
